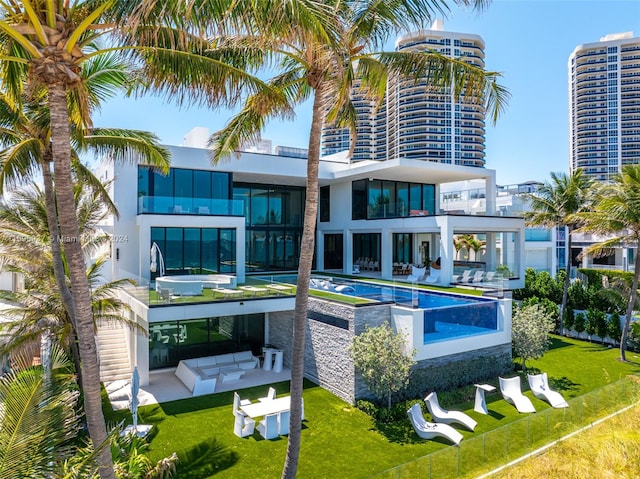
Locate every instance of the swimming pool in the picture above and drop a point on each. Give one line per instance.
(446, 316)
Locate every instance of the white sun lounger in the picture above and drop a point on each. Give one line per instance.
(511, 392)
(429, 430)
(447, 417)
(539, 384)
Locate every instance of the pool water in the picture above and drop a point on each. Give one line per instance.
(446, 316)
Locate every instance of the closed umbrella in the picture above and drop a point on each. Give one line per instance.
(135, 388)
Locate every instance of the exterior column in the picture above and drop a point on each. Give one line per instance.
(386, 246)
(447, 252)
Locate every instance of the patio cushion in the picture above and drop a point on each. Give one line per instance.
(208, 361)
(224, 359)
(242, 356)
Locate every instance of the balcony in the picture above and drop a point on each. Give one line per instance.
(172, 205)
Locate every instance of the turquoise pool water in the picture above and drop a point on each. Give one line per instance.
(446, 316)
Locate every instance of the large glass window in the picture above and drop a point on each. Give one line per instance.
(196, 250)
(173, 341)
(367, 245)
(373, 199)
(185, 191)
(274, 217)
(325, 204)
(402, 248)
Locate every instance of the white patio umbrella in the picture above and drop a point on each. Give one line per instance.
(135, 389)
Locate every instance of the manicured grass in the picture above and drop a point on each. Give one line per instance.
(338, 440)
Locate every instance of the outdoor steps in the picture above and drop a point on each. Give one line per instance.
(112, 350)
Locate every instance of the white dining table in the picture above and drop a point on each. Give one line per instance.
(271, 406)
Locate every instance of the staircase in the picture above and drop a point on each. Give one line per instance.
(113, 354)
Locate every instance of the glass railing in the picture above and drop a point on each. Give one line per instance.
(482, 453)
(175, 205)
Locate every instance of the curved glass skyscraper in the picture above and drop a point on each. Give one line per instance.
(416, 121)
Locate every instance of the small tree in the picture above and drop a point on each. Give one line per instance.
(590, 324)
(614, 328)
(569, 319)
(601, 324)
(579, 323)
(379, 355)
(530, 332)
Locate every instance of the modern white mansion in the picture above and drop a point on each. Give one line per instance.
(242, 219)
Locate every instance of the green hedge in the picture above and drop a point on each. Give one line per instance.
(454, 375)
(594, 276)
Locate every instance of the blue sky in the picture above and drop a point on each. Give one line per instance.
(528, 41)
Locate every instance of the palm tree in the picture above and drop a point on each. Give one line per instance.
(322, 58)
(38, 419)
(553, 205)
(25, 240)
(45, 44)
(616, 215)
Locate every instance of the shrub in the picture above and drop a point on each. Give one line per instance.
(549, 307)
(579, 323)
(569, 318)
(614, 329)
(601, 324)
(580, 295)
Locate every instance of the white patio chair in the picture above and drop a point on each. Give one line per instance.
(243, 426)
(237, 402)
(434, 276)
(511, 392)
(429, 430)
(447, 417)
(283, 422)
(539, 384)
(477, 277)
(417, 274)
(268, 427)
(271, 394)
(465, 277)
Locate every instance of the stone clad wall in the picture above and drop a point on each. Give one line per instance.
(330, 329)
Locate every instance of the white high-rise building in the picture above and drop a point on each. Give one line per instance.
(604, 105)
(414, 121)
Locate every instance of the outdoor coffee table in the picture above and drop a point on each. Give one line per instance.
(227, 375)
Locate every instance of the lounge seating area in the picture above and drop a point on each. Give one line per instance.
(200, 375)
(192, 284)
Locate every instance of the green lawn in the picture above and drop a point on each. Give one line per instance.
(339, 441)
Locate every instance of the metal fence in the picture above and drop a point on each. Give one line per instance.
(498, 447)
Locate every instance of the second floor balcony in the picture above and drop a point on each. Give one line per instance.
(173, 205)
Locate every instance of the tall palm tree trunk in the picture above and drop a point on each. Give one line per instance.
(632, 301)
(302, 293)
(61, 147)
(567, 282)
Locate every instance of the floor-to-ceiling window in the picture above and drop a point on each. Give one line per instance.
(402, 248)
(333, 256)
(196, 250)
(274, 216)
(367, 246)
(172, 341)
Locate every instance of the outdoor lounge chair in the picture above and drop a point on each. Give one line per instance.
(417, 274)
(447, 417)
(268, 427)
(465, 277)
(477, 277)
(511, 392)
(429, 430)
(434, 276)
(243, 425)
(539, 384)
